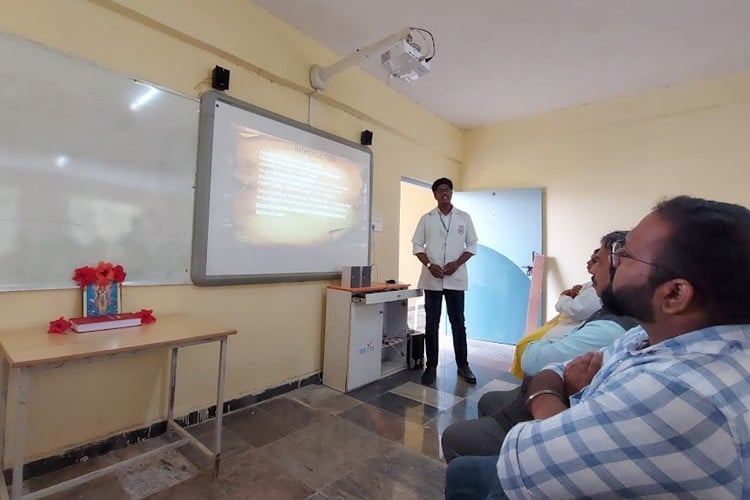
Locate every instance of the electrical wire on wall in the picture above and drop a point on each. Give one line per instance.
(430, 55)
(205, 81)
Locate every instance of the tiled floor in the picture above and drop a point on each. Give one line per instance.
(381, 441)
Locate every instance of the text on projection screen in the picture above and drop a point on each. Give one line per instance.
(284, 200)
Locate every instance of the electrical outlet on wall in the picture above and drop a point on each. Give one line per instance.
(377, 224)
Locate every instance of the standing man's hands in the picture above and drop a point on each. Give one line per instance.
(450, 268)
(580, 371)
(437, 271)
(434, 269)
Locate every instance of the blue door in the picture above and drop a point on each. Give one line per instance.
(509, 228)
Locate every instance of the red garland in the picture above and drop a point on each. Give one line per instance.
(102, 275)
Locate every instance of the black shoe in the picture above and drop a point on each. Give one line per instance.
(429, 375)
(466, 373)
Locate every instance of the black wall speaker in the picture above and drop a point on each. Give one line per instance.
(366, 138)
(220, 78)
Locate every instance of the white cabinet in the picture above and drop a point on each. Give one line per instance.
(365, 336)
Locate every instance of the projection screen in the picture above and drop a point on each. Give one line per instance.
(276, 199)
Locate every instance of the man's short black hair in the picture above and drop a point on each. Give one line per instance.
(442, 180)
(709, 246)
(613, 237)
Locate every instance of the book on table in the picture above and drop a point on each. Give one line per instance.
(106, 322)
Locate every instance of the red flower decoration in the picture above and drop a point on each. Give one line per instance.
(60, 325)
(84, 276)
(119, 273)
(146, 316)
(102, 275)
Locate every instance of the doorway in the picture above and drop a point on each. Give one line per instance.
(509, 227)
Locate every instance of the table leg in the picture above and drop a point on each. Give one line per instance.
(220, 403)
(3, 410)
(172, 384)
(19, 448)
(3, 424)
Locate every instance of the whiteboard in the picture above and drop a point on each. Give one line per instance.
(93, 166)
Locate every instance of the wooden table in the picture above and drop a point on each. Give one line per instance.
(24, 350)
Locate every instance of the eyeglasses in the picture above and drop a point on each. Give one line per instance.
(617, 253)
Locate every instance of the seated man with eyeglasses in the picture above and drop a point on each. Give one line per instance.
(575, 305)
(501, 410)
(581, 337)
(667, 414)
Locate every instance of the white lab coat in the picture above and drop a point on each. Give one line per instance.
(443, 242)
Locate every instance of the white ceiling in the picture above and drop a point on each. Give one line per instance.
(503, 59)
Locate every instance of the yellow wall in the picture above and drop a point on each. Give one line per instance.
(175, 44)
(604, 165)
(415, 202)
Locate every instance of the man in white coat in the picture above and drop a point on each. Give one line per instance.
(444, 240)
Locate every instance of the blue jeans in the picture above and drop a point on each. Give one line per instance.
(473, 478)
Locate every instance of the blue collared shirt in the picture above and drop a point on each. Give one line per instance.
(670, 419)
(593, 335)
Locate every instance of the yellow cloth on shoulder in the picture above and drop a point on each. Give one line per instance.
(537, 334)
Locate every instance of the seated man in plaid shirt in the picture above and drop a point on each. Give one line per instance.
(667, 413)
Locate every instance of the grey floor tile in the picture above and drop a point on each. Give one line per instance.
(138, 480)
(69, 472)
(425, 475)
(324, 452)
(292, 412)
(318, 496)
(156, 474)
(248, 476)
(422, 440)
(393, 474)
(411, 435)
(379, 387)
(324, 398)
(405, 407)
(364, 483)
(427, 395)
(108, 487)
(257, 427)
(377, 420)
(465, 410)
(205, 432)
(491, 354)
(506, 383)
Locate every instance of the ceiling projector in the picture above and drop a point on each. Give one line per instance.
(405, 60)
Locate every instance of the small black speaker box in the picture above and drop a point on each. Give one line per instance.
(366, 138)
(220, 78)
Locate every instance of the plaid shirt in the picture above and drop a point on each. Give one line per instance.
(668, 420)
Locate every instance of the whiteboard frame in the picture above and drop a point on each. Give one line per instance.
(203, 194)
(80, 80)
